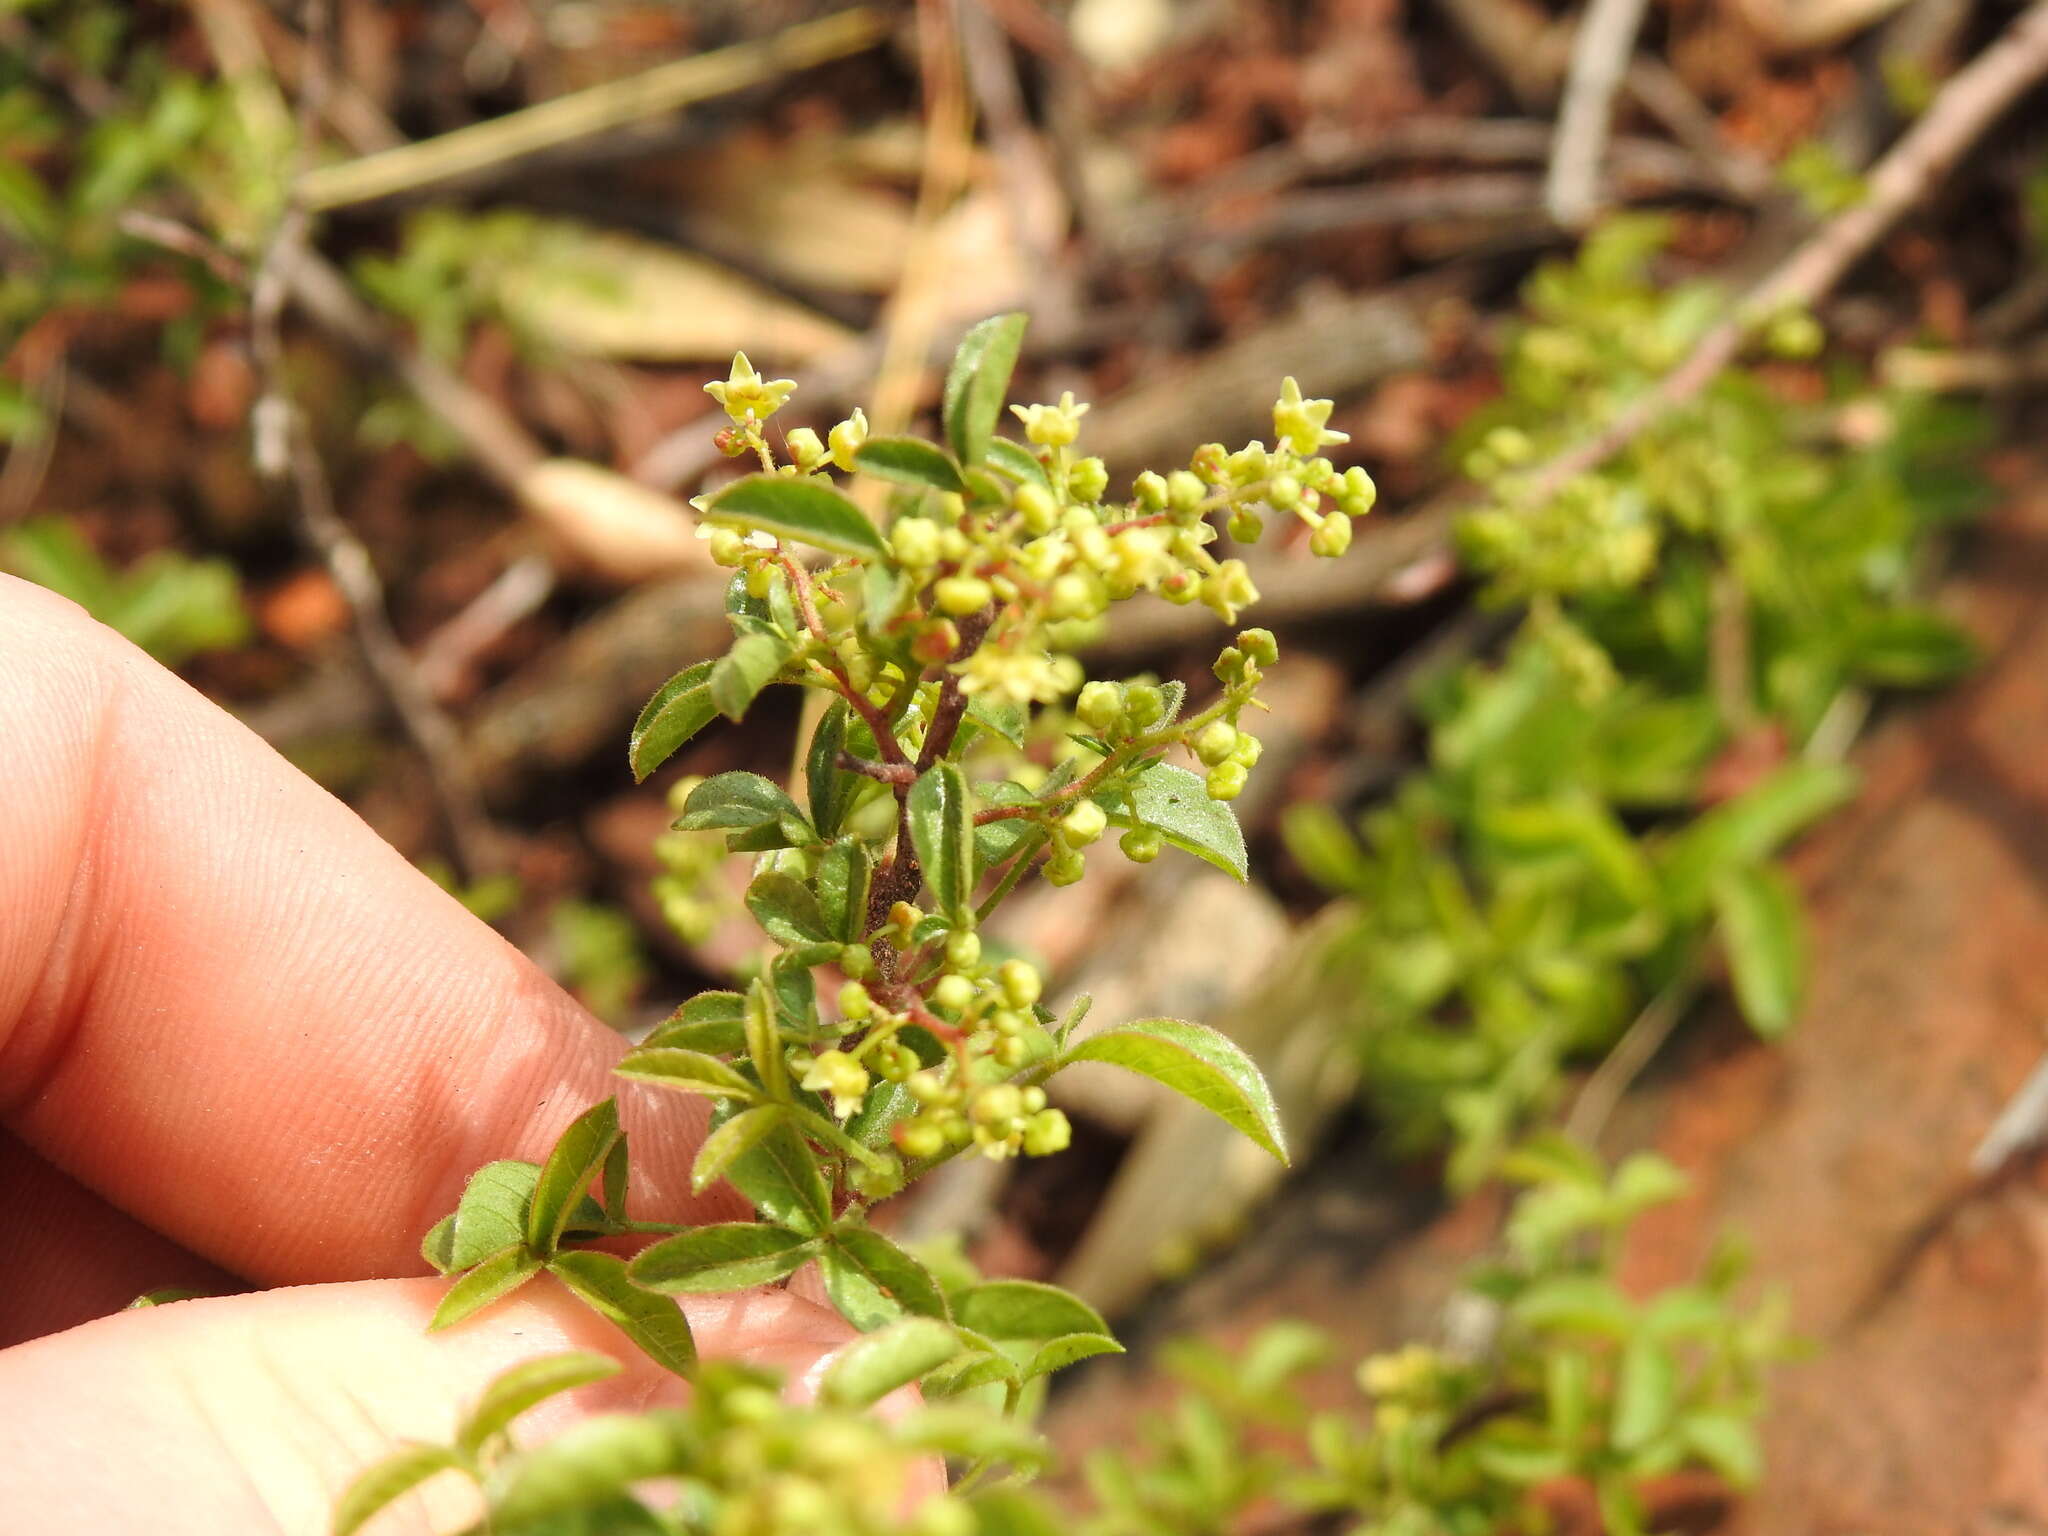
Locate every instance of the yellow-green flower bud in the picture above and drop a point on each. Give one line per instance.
(1283, 493)
(1260, 645)
(1144, 705)
(1065, 867)
(915, 542)
(845, 439)
(1357, 493)
(1149, 491)
(997, 1104)
(1141, 845)
(1047, 1132)
(1036, 507)
(1100, 707)
(806, 448)
(1087, 479)
(1226, 781)
(1248, 750)
(952, 993)
(963, 949)
(1076, 596)
(1244, 526)
(1021, 983)
(962, 595)
(1084, 823)
(1184, 493)
(1331, 537)
(838, 1074)
(728, 547)
(857, 960)
(920, 1138)
(854, 1002)
(936, 642)
(1215, 742)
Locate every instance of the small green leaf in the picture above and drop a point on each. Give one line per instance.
(1175, 802)
(727, 1257)
(1763, 931)
(1645, 1392)
(846, 873)
(737, 800)
(780, 1174)
(872, 1281)
(525, 1386)
(1726, 1442)
(709, 1022)
(679, 710)
(908, 461)
(1749, 829)
(764, 1042)
(788, 910)
(738, 676)
(1575, 1303)
(1018, 462)
(978, 382)
(686, 1072)
(730, 1140)
(1911, 648)
(492, 1215)
(618, 1173)
(942, 829)
(496, 1277)
(588, 1464)
(578, 1157)
(1004, 719)
(1071, 1349)
(390, 1480)
(163, 1296)
(1026, 1309)
(876, 1364)
(652, 1322)
(831, 789)
(806, 511)
(1199, 1063)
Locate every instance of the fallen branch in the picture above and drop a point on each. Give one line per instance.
(1600, 54)
(597, 109)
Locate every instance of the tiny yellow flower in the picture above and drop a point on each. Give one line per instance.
(1303, 424)
(747, 396)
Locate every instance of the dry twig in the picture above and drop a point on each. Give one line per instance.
(1600, 54)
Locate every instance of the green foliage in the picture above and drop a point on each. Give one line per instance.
(1712, 598)
(171, 605)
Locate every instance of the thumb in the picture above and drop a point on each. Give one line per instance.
(251, 1413)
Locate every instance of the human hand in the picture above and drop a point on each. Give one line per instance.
(240, 1036)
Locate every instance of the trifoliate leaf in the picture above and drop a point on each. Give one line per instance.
(1199, 1063)
(805, 511)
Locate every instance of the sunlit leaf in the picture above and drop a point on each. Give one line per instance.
(680, 708)
(909, 461)
(872, 1281)
(652, 1322)
(738, 676)
(388, 1481)
(1763, 931)
(805, 511)
(588, 1464)
(1174, 801)
(578, 1156)
(496, 1277)
(876, 1364)
(978, 382)
(727, 1257)
(1201, 1064)
(526, 1385)
(941, 815)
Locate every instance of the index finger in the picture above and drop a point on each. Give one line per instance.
(234, 1011)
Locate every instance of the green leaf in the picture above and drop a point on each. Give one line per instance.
(1071, 1349)
(652, 1322)
(872, 1281)
(618, 1172)
(806, 511)
(738, 676)
(780, 1174)
(787, 910)
(1175, 802)
(764, 1042)
(1763, 931)
(709, 1022)
(1726, 1442)
(1749, 828)
(1018, 462)
(731, 1140)
(727, 1257)
(496, 1277)
(588, 1464)
(525, 1386)
(679, 710)
(388, 1481)
(1589, 1304)
(1026, 1309)
(876, 1364)
(909, 461)
(1645, 1392)
(578, 1157)
(686, 1072)
(942, 829)
(737, 800)
(163, 1296)
(977, 383)
(1911, 648)
(1199, 1063)
(846, 873)
(831, 789)
(1004, 719)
